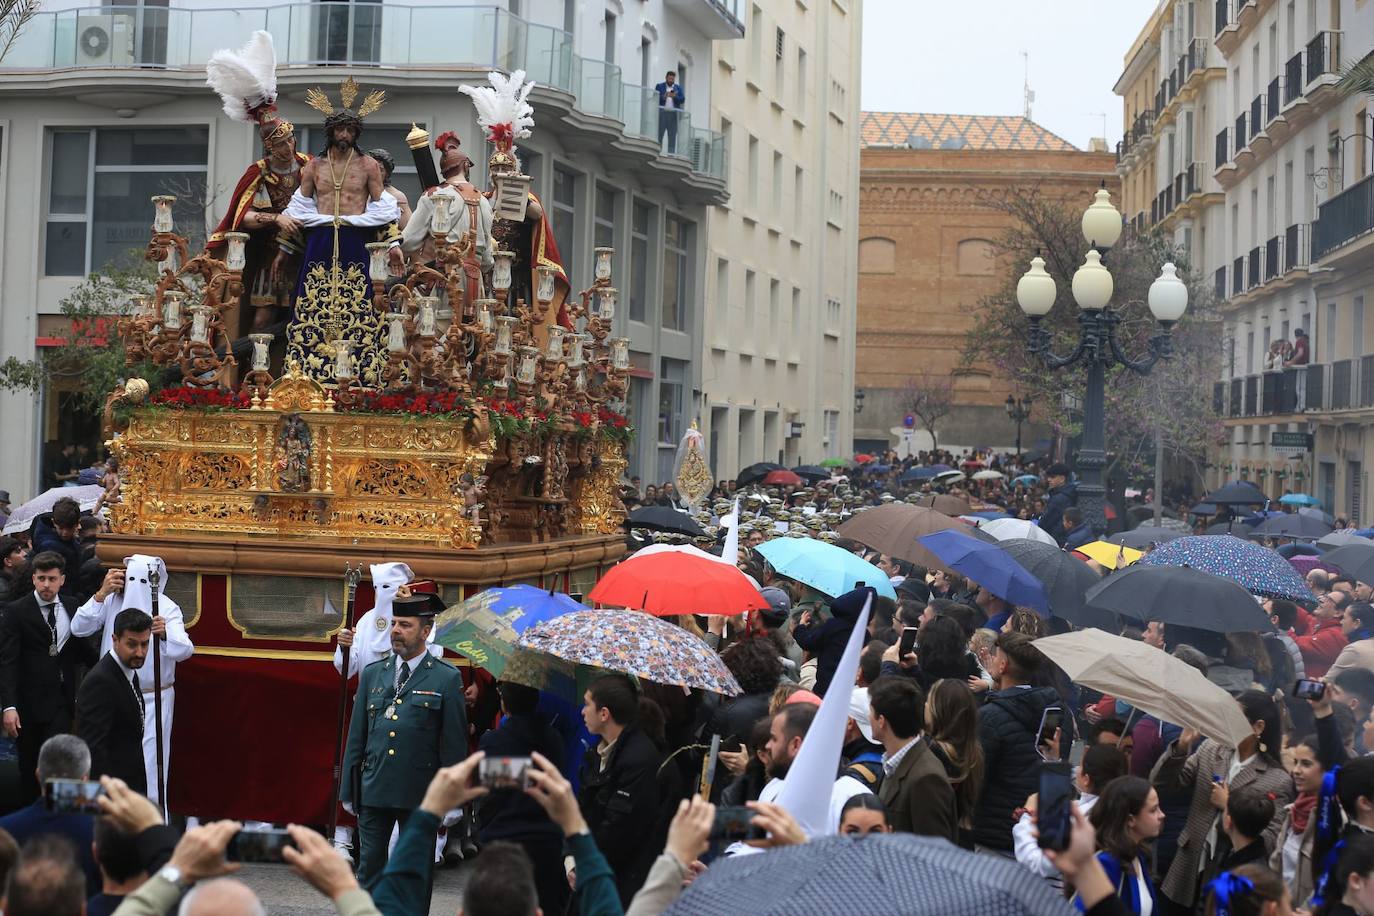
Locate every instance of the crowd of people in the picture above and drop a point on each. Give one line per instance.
(944, 736)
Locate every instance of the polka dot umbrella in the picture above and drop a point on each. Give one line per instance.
(1257, 569)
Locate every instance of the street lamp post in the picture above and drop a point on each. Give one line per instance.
(1018, 411)
(1097, 348)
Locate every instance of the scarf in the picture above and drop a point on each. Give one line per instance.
(1301, 810)
(1329, 822)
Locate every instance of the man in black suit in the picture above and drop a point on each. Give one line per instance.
(109, 706)
(40, 663)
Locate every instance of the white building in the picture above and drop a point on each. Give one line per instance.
(781, 274)
(102, 108)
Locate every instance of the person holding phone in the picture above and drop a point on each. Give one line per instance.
(1101, 765)
(1126, 817)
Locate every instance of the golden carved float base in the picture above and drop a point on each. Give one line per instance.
(292, 468)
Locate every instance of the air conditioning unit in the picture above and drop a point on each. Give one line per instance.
(107, 40)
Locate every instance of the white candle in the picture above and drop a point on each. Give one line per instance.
(620, 353)
(528, 365)
(171, 310)
(343, 358)
(603, 263)
(555, 348)
(607, 295)
(546, 283)
(234, 257)
(426, 318)
(200, 323)
(501, 272)
(261, 344)
(376, 253)
(442, 219)
(505, 331)
(162, 212)
(396, 332)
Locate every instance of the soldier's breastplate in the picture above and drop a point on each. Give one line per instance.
(279, 190)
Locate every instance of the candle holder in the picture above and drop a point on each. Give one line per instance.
(441, 221)
(162, 212)
(620, 354)
(602, 269)
(201, 366)
(200, 324)
(501, 271)
(554, 350)
(546, 285)
(378, 271)
(505, 333)
(259, 378)
(235, 257)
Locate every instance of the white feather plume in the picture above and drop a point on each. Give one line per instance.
(245, 79)
(505, 101)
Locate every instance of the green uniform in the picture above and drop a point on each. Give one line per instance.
(396, 742)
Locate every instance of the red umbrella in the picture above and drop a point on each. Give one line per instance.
(783, 478)
(863, 459)
(677, 580)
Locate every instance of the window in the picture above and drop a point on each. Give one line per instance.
(756, 35)
(836, 214)
(753, 170)
(608, 32)
(645, 77)
(975, 258)
(779, 76)
(641, 226)
(1357, 328)
(99, 185)
(799, 193)
(603, 224)
(878, 255)
(1360, 151)
(565, 212)
(750, 299)
(833, 311)
(672, 380)
(838, 106)
(348, 32)
(777, 186)
(569, 16)
(801, 81)
(774, 312)
(722, 290)
(676, 272)
(831, 422)
(1330, 354)
(796, 310)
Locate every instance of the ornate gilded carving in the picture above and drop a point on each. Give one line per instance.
(382, 477)
(215, 471)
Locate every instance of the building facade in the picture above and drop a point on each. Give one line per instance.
(926, 258)
(101, 109)
(778, 350)
(1287, 244)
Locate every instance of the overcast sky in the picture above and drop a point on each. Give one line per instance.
(964, 57)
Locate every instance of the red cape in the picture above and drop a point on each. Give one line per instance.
(242, 200)
(544, 250)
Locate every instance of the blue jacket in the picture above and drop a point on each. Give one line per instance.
(79, 829)
(679, 97)
(1079, 536)
(1127, 890)
(1052, 520)
(45, 537)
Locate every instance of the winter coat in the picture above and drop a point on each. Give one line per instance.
(1321, 647)
(1007, 726)
(1052, 519)
(45, 537)
(826, 641)
(621, 807)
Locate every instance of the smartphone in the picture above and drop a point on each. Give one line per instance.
(1309, 689)
(505, 772)
(735, 823)
(264, 845)
(1051, 721)
(908, 641)
(72, 796)
(1054, 818)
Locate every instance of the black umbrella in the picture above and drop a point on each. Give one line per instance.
(879, 873)
(1066, 579)
(1145, 536)
(812, 472)
(1291, 526)
(1235, 526)
(1180, 595)
(1203, 509)
(1342, 539)
(663, 518)
(1353, 559)
(1237, 493)
(756, 472)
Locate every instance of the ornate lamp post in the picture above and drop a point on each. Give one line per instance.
(1018, 411)
(1098, 348)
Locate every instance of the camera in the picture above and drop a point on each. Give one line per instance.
(735, 823)
(72, 796)
(258, 846)
(505, 772)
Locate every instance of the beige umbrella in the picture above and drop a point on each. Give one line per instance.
(1149, 679)
(946, 504)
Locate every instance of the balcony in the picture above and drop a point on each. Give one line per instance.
(1272, 260)
(717, 19)
(152, 45)
(1219, 284)
(1222, 15)
(1279, 392)
(1238, 276)
(1343, 375)
(1323, 58)
(1343, 218)
(1295, 244)
(1292, 79)
(1241, 138)
(1237, 404)
(1252, 276)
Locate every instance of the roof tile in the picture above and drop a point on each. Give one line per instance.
(978, 132)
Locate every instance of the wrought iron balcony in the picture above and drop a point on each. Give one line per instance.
(1323, 55)
(1295, 241)
(1343, 218)
(1292, 78)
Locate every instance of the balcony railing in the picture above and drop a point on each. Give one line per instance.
(1238, 276)
(1192, 179)
(1241, 141)
(1251, 395)
(1344, 217)
(1223, 151)
(1323, 55)
(1295, 239)
(1271, 258)
(1292, 78)
(1316, 388)
(1219, 284)
(1271, 101)
(1222, 16)
(1257, 120)
(1237, 406)
(355, 35)
(1342, 375)
(1219, 398)
(1253, 277)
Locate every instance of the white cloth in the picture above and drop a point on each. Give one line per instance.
(417, 231)
(378, 212)
(372, 632)
(845, 788)
(1027, 847)
(1142, 890)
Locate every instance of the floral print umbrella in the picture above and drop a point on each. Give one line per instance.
(634, 643)
(1258, 569)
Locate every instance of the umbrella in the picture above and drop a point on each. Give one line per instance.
(1341, 539)
(632, 643)
(1237, 493)
(893, 529)
(970, 463)
(1150, 679)
(812, 472)
(1292, 526)
(880, 873)
(1181, 596)
(834, 463)
(680, 580)
(988, 475)
(1299, 499)
(1144, 537)
(1027, 479)
(484, 628)
(1203, 509)
(1004, 528)
(1354, 560)
(1257, 569)
(1065, 578)
(1305, 564)
(915, 474)
(989, 566)
(943, 502)
(664, 518)
(756, 472)
(863, 459)
(1112, 556)
(828, 569)
(1312, 512)
(783, 478)
(950, 475)
(878, 468)
(22, 517)
(985, 516)
(1231, 527)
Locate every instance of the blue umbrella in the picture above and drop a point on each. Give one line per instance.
(919, 474)
(1258, 569)
(1299, 499)
(484, 628)
(941, 467)
(1027, 479)
(989, 516)
(828, 569)
(990, 566)
(879, 468)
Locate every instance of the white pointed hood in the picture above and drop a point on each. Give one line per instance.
(386, 578)
(138, 593)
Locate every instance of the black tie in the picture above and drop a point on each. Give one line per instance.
(138, 692)
(401, 677)
(52, 618)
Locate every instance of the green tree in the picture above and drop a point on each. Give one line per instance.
(1175, 399)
